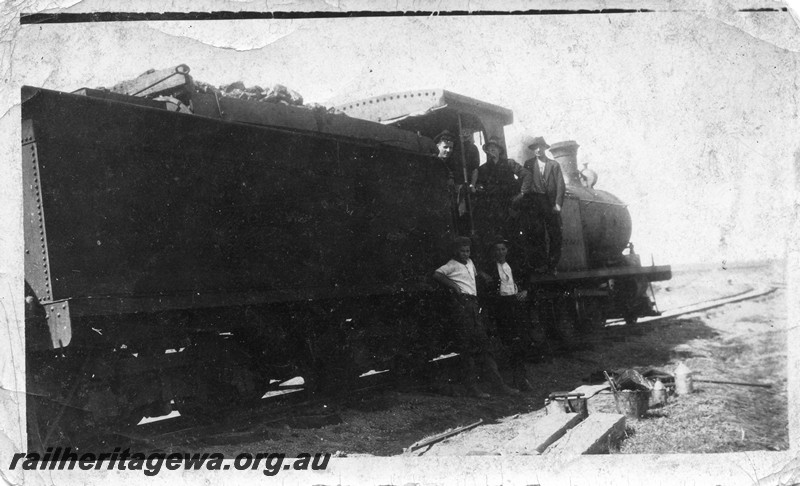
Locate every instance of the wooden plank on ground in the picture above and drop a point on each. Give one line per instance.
(534, 438)
(592, 436)
(590, 390)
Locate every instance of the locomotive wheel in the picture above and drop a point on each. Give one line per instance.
(329, 376)
(329, 366)
(556, 317)
(630, 299)
(588, 314)
(410, 349)
(207, 407)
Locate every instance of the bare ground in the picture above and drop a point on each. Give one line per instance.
(743, 342)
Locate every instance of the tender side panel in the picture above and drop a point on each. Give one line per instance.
(178, 211)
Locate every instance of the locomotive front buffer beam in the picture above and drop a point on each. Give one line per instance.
(651, 274)
(593, 296)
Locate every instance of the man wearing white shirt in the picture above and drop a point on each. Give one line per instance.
(459, 276)
(505, 303)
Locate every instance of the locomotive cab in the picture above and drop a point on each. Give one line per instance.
(599, 276)
(430, 112)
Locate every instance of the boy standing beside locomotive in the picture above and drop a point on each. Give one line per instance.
(505, 304)
(459, 275)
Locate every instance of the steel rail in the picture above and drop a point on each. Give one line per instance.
(701, 306)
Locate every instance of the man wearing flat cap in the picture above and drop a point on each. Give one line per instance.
(445, 141)
(542, 194)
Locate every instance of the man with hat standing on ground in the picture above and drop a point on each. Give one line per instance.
(542, 195)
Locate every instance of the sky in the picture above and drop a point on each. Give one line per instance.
(688, 117)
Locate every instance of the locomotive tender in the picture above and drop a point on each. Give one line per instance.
(187, 249)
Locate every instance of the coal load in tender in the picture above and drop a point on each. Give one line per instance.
(278, 93)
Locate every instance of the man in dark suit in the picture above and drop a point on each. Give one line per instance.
(496, 187)
(542, 195)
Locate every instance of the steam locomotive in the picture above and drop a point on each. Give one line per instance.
(186, 249)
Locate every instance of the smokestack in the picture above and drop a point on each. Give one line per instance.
(566, 154)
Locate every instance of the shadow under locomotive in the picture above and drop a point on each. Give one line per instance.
(187, 258)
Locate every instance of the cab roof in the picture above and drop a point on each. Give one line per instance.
(425, 111)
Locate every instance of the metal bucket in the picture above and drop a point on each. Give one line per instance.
(556, 405)
(632, 403)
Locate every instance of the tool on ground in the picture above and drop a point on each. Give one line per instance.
(720, 382)
(440, 437)
(591, 390)
(610, 382)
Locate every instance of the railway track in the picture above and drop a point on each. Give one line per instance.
(301, 409)
(751, 293)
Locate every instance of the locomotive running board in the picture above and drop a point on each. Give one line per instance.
(652, 274)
